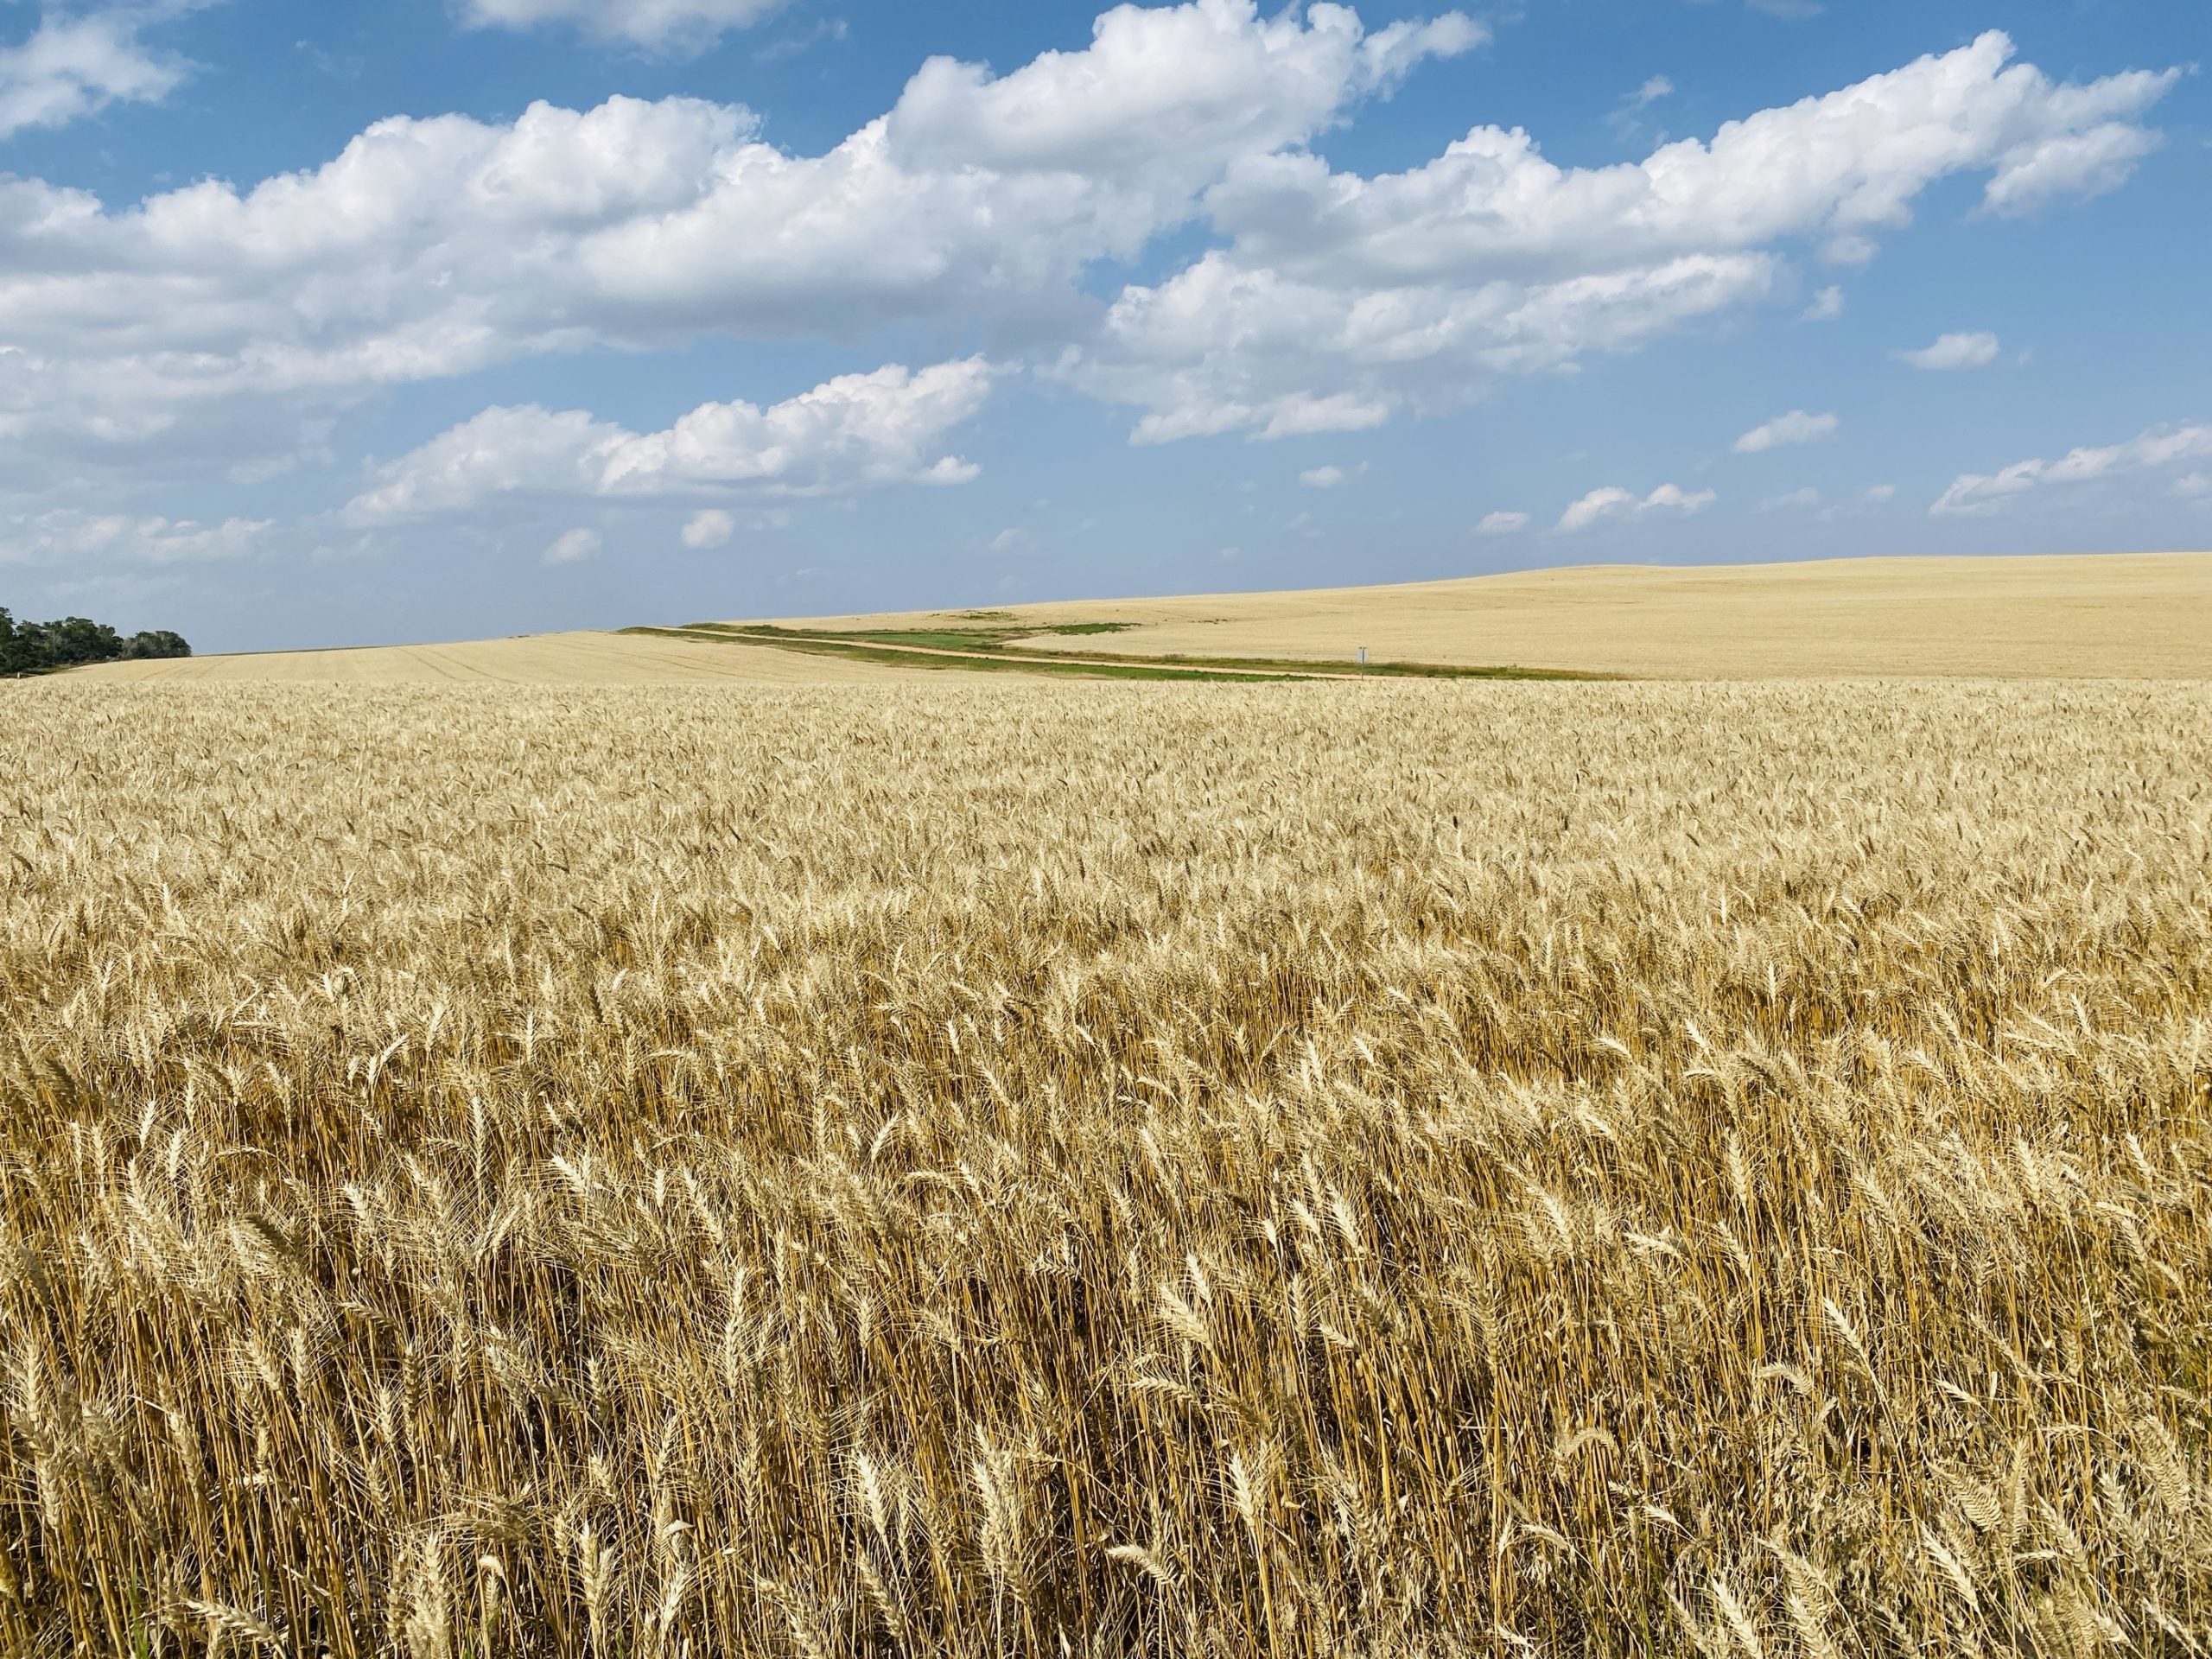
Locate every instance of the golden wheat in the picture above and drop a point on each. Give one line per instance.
(578, 658)
(969, 1168)
(2122, 615)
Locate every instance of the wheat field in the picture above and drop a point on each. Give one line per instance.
(581, 658)
(978, 1168)
(2135, 615)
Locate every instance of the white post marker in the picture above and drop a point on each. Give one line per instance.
(1362, 656)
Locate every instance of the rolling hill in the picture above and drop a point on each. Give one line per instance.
(578, 658)
(2108, 616)
(2100, 616)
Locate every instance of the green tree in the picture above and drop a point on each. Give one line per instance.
(155, 642)
(34, 647)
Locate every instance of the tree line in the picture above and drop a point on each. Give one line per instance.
(36, 648)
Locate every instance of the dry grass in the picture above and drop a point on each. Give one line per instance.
(2116, 615)
(1003, 1168)
(582, 658)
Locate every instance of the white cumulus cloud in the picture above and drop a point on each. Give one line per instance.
(73, 67)
(1947, 352)
(1227, 347)
(2079, 163)
(708, 527)
(1370, 293)
(1796, 427)
(223, 328)
(1978, 494)
(436, 246)
(1827, 305)
(1610, 501)
(1502, 524)
(574, 548)
(1672, 497)
(857, 431)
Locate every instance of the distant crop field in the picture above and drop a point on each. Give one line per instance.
(1026, 1167)
(577, 658)
(2127, 616)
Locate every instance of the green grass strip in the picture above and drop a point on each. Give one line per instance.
(982, 662)
(941, 638)
(997, 643)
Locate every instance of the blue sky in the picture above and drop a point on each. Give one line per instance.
(343, 323)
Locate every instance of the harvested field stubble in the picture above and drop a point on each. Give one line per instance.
(967, 1169)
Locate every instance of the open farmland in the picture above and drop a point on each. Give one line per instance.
(2109, 615)
(577, 658)
(2118, 616)
(995, 1166)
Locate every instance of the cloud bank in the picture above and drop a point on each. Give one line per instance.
(1980, 494)
(225, 328)
(857, 431)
